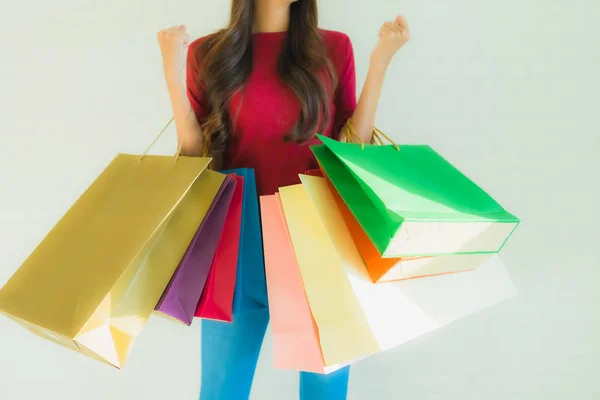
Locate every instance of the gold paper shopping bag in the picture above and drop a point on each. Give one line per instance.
(95, 279)
(344, 331)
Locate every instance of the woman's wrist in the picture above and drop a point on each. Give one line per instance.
(176, 86)
(378, 66)
(173, 76)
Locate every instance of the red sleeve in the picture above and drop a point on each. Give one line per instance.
(196, 90)
(345, 96)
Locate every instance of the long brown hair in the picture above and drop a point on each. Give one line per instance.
(227, 64)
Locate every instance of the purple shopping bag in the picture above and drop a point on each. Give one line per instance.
(181, 297)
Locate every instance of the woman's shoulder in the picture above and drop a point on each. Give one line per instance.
(335, 38)
(339, 47)
(331, 38)
(201, 41)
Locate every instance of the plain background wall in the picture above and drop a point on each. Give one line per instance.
(507, 90)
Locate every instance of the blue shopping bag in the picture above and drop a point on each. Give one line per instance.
(251, 285)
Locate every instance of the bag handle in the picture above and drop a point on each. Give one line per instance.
(158, 137)
(348, 132)
(351, 137)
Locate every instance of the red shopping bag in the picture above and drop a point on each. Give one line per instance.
(216, 301)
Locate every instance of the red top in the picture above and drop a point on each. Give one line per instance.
(266, 110)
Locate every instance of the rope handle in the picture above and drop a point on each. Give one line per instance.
(158, 137)
(349, 133)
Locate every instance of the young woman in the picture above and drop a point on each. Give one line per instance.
(253, 95)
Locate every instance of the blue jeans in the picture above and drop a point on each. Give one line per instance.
(229, 356)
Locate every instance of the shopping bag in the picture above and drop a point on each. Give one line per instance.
(296, 343)
(181, 297)
(333, 304)
(94, 280)
(412, 202)
(250, 286)
(216, 302)
(392, 269)
(394, 312)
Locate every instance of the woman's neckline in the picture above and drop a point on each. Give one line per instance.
(276, 33)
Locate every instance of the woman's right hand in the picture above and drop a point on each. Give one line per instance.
(173, 43)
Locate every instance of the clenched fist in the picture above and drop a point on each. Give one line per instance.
(392, 36)
(173, 43)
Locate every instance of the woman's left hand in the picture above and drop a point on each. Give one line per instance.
(392, 36)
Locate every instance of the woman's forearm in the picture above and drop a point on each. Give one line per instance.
(392, 36)
(363, 119)
(189, 133)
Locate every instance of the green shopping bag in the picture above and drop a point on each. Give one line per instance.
(412, 202)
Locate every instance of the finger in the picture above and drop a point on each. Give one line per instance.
(393, 28)
(402, 22)
(182, 28)
(383, 31)
(175, 33)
